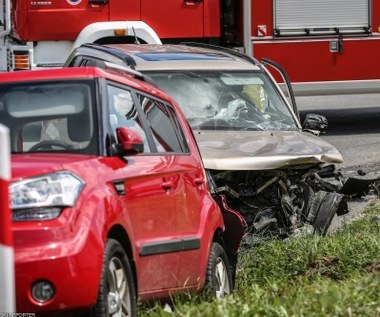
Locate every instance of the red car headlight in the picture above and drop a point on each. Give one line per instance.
(43, 197)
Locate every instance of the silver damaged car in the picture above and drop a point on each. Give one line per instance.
(273, 170)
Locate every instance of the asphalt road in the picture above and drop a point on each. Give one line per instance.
(354, 129)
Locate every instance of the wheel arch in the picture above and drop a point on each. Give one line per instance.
(118, 233)
(98, 30)
(219, 237)
(230, 238)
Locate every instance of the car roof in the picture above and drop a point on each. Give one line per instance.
(116, 74)
(51, 74)
(145, 57)
(61, 73)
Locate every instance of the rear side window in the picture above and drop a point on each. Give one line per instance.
(123, 112)
(154, 120)
(166, 130)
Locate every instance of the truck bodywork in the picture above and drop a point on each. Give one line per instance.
(315, 41)
(41, 34)
(323, 37)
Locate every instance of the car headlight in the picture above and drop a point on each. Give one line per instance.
(43, 197)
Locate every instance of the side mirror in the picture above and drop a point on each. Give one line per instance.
(129, 141)
(315, 122)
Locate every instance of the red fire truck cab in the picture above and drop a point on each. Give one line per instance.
(42, 33)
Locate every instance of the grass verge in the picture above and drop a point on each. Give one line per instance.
(335, 275)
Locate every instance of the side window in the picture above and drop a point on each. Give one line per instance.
(167, 133)
(91, 62)
(76, 61)
(82, 61)
(123, 112)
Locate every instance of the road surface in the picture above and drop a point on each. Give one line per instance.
(354, 129)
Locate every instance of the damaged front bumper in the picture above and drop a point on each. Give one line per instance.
(285, 202)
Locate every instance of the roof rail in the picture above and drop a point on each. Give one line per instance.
(109, 50)
(231, 51)
(122, 69)
(126, 69)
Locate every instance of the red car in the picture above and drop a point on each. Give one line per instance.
(109, 197)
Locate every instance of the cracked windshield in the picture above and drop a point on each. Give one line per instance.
(220, 100)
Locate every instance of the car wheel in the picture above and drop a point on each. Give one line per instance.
(323, 221)
(218, 275)
(117, 295)
(326, 212)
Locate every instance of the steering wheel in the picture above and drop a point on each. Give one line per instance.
(48, 144)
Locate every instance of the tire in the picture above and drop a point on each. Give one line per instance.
(218, 274)
(326, 212)
(323, 221)
(117, 294)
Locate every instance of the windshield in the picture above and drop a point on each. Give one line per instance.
(48, 117)
(227, 100)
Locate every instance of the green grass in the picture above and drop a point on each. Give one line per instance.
(336, 275)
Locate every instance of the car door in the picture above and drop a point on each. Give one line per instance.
(156, 185)
(149, 211)
(186, 171)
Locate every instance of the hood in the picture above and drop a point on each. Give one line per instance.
(34, 164)
(260, 150)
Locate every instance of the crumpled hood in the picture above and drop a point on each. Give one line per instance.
(258, 150)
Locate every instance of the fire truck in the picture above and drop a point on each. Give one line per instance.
(326, 47)
(42, 33)
(314, 40)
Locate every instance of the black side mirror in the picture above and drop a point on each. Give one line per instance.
(129, 142)
(315, 122)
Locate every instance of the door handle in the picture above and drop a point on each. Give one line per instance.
(167, 185)
(192, 2)
(98, 1)
(199, 181)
